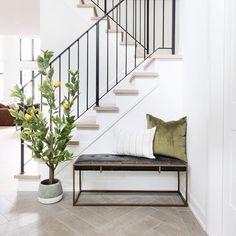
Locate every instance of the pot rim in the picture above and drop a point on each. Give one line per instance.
(45, 182)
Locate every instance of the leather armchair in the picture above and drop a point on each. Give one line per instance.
(5, 117)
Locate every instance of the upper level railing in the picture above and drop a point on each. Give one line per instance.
(125, 35)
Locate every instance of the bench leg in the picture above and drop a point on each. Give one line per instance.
(76, 198)
(178, 181)
(80, 181)
(185, 200)
(73, 186)
(186, 183)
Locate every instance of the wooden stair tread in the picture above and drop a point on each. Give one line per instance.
(145, 74)
(125, 91)
(73, 142)
(166, 56)
(114, 31)
(86, 5)
(89, 5)
(27, 177)
(123, 43)
(160, 56)
(98, 18)
(106, 109)
(87, 126)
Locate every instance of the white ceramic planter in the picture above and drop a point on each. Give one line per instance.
(49, 194)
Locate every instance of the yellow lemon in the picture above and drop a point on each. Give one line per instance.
(57, 84)
(66, 106)
(28, 117)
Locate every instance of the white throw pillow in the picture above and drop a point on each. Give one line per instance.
(134, 142)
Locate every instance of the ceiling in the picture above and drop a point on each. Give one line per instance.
(19, 17)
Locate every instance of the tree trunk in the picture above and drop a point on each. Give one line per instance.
(51, 174)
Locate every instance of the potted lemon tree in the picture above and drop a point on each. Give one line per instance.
(48, 135)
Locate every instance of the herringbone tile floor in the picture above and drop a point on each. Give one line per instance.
(21, 214)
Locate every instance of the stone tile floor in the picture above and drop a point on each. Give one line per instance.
(22, 214)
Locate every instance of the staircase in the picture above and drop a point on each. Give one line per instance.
(114, 57)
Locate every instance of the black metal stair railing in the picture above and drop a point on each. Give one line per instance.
(153, 16)
(103, 54)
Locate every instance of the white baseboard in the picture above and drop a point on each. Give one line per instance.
(197, 211)
(28, 185)
(213, 234)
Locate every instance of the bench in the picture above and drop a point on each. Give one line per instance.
(110, 162)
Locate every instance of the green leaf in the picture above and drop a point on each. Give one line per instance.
(50, 73)
(42, 72)
(13, 113)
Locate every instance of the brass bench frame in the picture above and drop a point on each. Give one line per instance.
(101, 168)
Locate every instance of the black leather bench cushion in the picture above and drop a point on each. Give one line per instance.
(130, 163)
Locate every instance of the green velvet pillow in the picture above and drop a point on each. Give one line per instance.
(170, 137)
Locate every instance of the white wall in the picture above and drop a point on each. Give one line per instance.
(219, 21)
(19, 17)
(194, 43)
(61, 23)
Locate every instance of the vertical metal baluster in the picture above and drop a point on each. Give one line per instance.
(105, 6)
(140, 21)
(60, 86)
(116, 45)
(97, 65)
(173, 25)
(119, 13)
(78, 98)
(144, 28)
(22, 147)
(41, 97)
(107, 53)
(113, 7)
(87, 85)
(163, 24)
(21, 78)
(135, 52)
(126, 26)
(133, 18)
(147, 26)
(68, 69)
(32, 87)
(22, 152)
(154, 25)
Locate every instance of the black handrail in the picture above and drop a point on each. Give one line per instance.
(142, 29)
